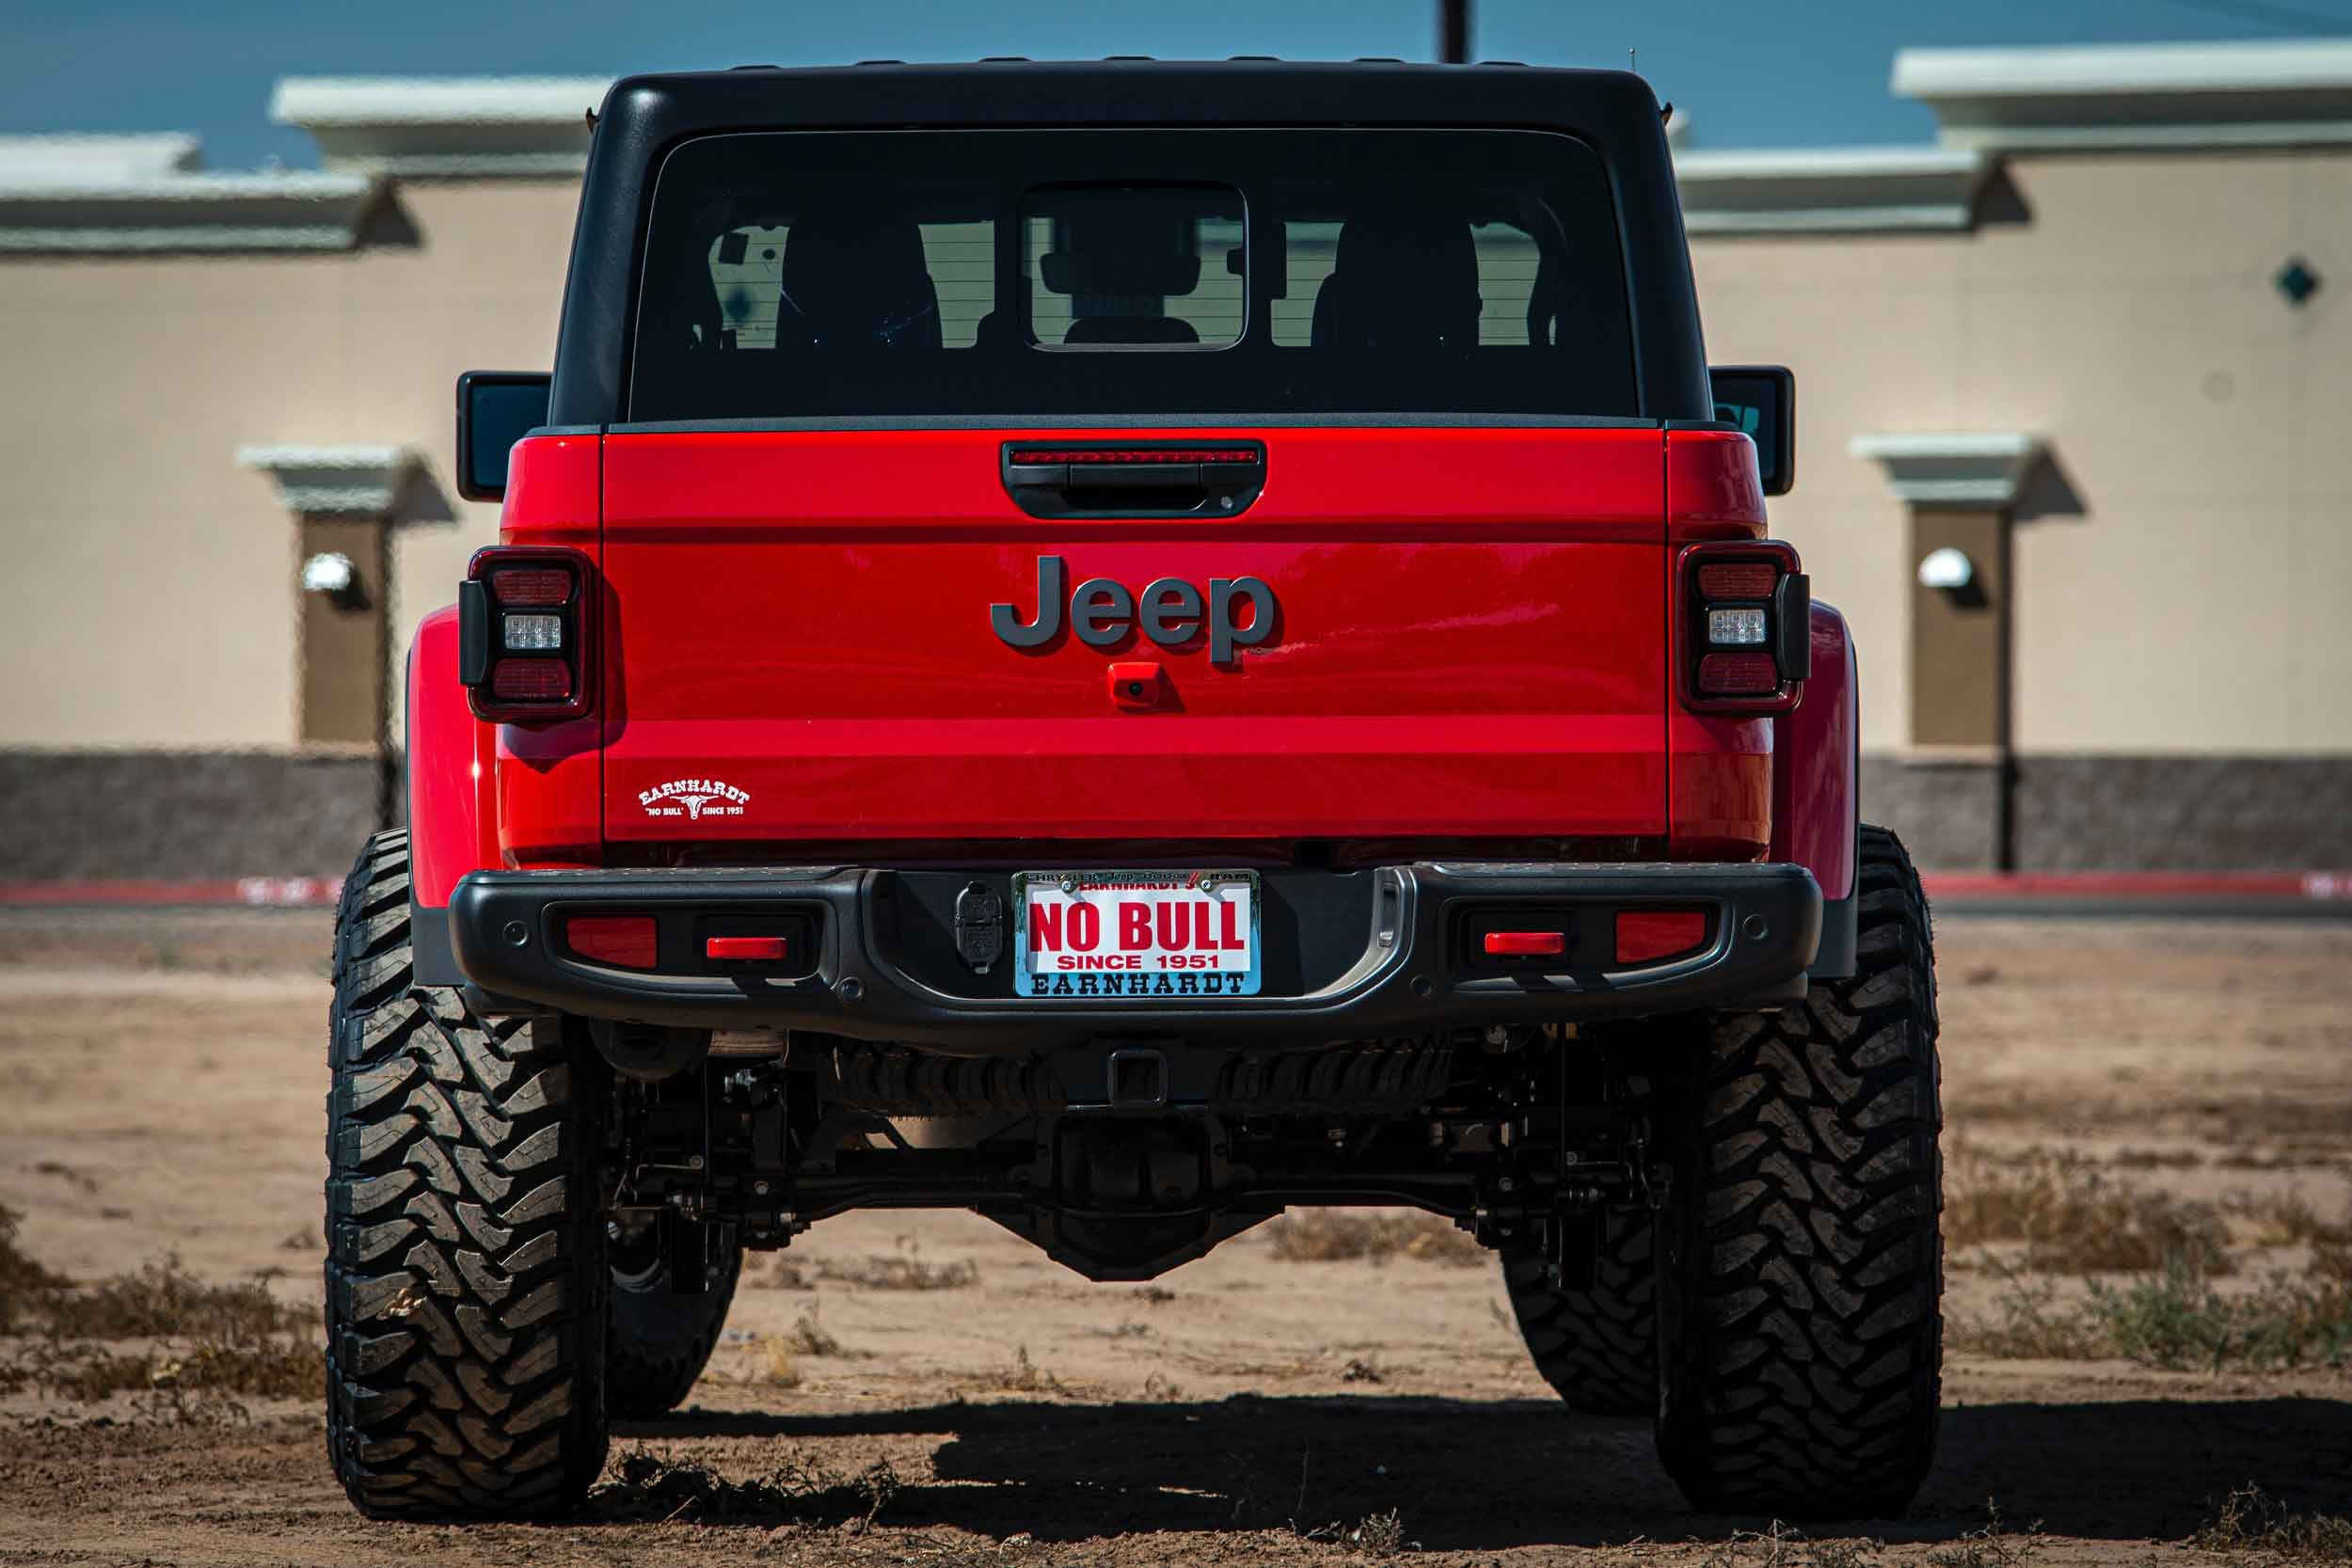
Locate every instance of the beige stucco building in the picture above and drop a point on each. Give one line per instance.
(2090, 350)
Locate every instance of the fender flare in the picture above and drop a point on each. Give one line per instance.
(1817, 788)
(452, 816)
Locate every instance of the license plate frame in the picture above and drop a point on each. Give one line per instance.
(1155, 985)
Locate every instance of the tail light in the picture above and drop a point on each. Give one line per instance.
(1644, 936)
(524, 622)
(626, 940)
(1744, 634)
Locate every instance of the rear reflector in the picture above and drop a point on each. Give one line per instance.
(746, 949)
(536, 680)
(531, 587)
(626, 940)
(1525, 944)
(1645, 935)
(1747, 579)
(1720, 674)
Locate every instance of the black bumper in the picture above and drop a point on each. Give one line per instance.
(1351, 955)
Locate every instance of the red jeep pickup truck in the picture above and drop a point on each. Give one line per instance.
(1122, 646)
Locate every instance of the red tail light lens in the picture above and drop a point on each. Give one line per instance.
(624, 940)
(531, 587)
(1526, 945)
(1742, 579)
(1738, 675)
(1646, 935)
(771, 950)
(530, 680)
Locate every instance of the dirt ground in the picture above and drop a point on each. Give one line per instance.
(161, 1078)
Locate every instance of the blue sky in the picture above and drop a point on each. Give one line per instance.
(1765, 73)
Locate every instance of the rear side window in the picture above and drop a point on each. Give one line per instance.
(1211, 273)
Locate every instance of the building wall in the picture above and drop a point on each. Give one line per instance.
(2177, 568)
(2178, 564)
(151, 599)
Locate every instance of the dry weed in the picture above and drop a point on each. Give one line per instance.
(2287, 1219)
(2028, 1323)
(2175, 1319)
(204, 1344)
(2156, 1159)
(906, 1270)
(1381, 1534)
(2249, 1520)
(2073, 1218)
(645, 1486)
(24, 1283)
(161, 1300)
(1019, 1376)
(1783, 1545)
(1335, 1235)
(809, 1337)
(773, 1365)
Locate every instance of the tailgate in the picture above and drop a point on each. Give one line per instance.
(1470, 641)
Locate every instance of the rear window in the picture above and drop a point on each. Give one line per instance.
(1213, 272)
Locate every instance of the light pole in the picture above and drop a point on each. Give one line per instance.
(1453, 25)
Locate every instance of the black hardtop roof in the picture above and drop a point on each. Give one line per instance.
(1246, 90)
(1615, 112)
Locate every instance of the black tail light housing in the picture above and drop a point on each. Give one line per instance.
(525, 622)
(1743, 627)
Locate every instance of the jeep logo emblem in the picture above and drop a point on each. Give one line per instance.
(1170, 611)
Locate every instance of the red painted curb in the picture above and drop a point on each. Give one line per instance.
(2187, 886)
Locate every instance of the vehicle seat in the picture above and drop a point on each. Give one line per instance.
(1400, 283)
(854, 278)
(1130, 330)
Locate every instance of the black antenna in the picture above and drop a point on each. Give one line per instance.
(1454, 31)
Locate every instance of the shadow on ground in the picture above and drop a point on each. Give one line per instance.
(1518, 1473)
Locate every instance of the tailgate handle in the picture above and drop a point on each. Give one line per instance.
(1134, 479)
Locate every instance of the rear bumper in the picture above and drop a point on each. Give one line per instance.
(1354, 955)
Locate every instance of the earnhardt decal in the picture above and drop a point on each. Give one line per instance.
(694, 798)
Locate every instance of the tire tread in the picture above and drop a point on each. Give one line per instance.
(1800, 1299)
(465, 1316)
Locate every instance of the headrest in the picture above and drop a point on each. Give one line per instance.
(1424, 254)
(856, 274)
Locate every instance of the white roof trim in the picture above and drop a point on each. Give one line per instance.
(2258, 93)
(439, 126)
(1822, 190)
(73, 158)
(1953, 468)
(318, 481)
(186, 211)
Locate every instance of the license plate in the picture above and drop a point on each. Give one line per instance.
(1155, 936)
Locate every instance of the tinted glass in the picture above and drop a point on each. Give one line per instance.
(1755, 403)
(1133, 265)
(497, 415)
(800, 274)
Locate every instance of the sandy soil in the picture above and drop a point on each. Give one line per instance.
(161, 1078)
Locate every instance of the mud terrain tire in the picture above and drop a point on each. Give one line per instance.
(1800, 1268)
(1596, 1347)
(465, 1272)
(659, 1340)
